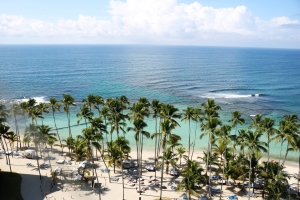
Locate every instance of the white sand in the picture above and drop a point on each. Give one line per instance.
(67, 189)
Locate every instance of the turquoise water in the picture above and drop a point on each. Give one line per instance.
(254, 81)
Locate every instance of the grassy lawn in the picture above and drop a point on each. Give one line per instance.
(10, 186)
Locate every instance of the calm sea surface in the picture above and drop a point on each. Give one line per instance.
(253, 81)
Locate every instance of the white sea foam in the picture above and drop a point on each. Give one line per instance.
(228, 96)
(41, 99)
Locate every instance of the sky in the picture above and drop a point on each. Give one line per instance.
(236, 23)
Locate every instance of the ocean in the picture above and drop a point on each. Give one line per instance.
(251, 80)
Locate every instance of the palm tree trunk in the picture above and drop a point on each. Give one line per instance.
(142, 154)
(207, 166)
(249, 176)
(194, 143)
(286, 153)
(155, 148)
(280, 151)
(57, 132)
(223, 176)
(162, 172)
(189, 140)
(102, 156)
(6, 155)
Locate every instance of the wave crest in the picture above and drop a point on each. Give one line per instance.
(229, 96)
(41, 99)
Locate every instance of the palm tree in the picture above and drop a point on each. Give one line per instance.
(294, 131)
(138, 128)
(166, 127)
(210, 125)
(51, 142)
(169, 158)
(69, 143)
(3, 114)
(155, 106)
(68, 101)
(55, 106)
(90, 138)
(44, 131)
(168, 111)
(14, 111)
(188, 115)
(12, 138)
(4, 132)
(31, 108)
(138, 111)
(277, 186)
(84, 113)
(24, 109)
(180, 152)
(43, 107)
(236, 119)
(198, 118)
(253, 142)
(285, 133)
(268, 127)
(192, 179)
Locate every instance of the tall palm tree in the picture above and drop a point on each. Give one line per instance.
(14, 111)
(31, 108)
(210, 125)
(138, 128)
(285, 134)
(236, 119)
(55, 106)
(4, 132)
(155, 106)
(294, 132)
(90, 138)
(3, 113)
(278, 185)
(24, 106)
(180, 152)
(198, 117)
(192, 179)
(43, 108)
(254, 143)
(170, 112)
(68, 101)
(268, 127)
(84, 113)
(188, 115)
(166, 127)
(169, 158)
(69, 143)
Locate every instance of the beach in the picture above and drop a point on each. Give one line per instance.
(67, 188)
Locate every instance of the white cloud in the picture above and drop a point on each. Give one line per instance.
(156, 21)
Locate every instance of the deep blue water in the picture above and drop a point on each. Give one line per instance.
(254, 81)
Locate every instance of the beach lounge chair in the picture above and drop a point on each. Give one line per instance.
(150, 168)
(173, 187)
(29, 164)
(131, 183)
(251, 194)
(230, 197)
(247, 185)
(216, 177)
(106, 170)
(60, 161)
(221, 181)
(113, 178)
(139, 191)
(214, 189)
